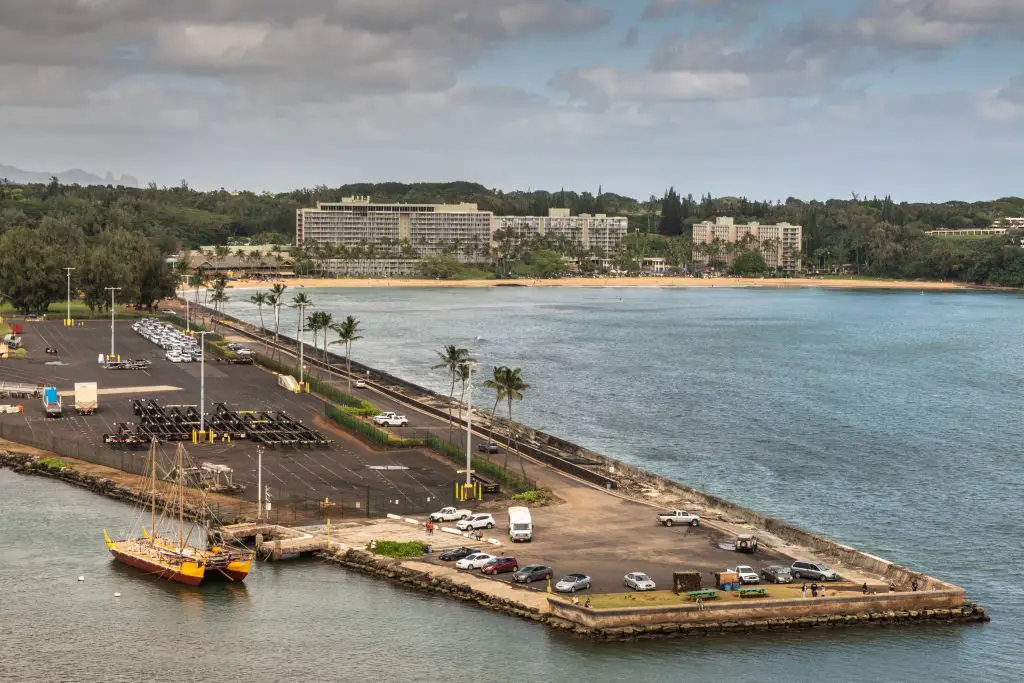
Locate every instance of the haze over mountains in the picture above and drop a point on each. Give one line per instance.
(70, 177)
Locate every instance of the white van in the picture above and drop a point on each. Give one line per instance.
(520, 524)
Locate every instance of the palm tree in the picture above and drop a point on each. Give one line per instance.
(300, 301)
(348, 332)
(277, 292)
(463, 373)
(313, 325)
(513, 386)
(260, 299)
(451, 358)
(325, 321)
(497, 383)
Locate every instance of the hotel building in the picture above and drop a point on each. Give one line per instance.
(779, 244)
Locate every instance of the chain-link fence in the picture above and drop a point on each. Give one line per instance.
(285, 506)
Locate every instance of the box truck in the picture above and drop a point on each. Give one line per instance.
(520, 524)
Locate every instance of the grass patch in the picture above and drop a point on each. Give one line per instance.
(350, 404)
(366, 430)
(20, 353)
(4, 329)
(400, 549)
(79, 310)
(52, 464)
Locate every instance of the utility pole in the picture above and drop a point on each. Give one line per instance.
(188, 319)
(202, 381)
(302, 327)
(112, 290)
(469, 427)
(69, 295)
(259, 483)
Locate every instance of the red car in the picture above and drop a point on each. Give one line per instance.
(501, 564)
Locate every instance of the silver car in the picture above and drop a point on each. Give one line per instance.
(572, 583)
(816, 571)
(639, 581)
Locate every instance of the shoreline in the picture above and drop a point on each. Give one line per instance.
(623, 282)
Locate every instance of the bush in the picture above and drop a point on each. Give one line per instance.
(532, 496)
(52, 464)
(400, 549)
(20, 353)
(367, 430)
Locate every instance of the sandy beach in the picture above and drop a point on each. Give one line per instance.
(669, 282)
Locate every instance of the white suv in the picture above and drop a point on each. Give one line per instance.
(484, 521)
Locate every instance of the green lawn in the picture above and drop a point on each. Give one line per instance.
(662, 598)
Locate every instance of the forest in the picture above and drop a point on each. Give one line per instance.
(122, 235)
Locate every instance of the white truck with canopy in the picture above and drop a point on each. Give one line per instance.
(520, 524)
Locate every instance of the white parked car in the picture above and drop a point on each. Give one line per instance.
(639, 581)
(481, 521)
(747, 574)
(360, 384)
(174, 357)
(474, 561)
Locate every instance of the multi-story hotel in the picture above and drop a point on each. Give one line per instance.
(460, 229)
(779, 244)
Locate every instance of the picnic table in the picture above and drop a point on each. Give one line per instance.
(753, 592)
(709, 594)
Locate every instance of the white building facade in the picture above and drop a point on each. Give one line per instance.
(779, 244)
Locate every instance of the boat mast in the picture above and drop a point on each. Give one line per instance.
(181, 497)
(152, 517)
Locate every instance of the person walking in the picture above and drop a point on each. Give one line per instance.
(814, 590)
(803, 590)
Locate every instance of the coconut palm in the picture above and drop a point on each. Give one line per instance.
(260, 299)
(300, 301)
(512, 387)
(313, 325)
(497, 384)
(348, 332)
(325, 322)
(463, 374)
(451, 358)
(277, 292)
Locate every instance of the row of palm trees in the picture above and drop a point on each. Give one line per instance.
(506, 383)
(316, 322)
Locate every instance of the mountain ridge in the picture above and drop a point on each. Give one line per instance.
(74, 176)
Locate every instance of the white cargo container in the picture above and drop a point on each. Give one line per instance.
(86, 398)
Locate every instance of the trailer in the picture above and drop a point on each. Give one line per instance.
(52, 403)
(20, 390)
(86, 398)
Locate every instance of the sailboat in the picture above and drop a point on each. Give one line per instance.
(172, 557)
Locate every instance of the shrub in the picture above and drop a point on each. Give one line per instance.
(20, 353)
(510, 480)
(52, 464)
(532, 496)
(366, 430)
(399, 549)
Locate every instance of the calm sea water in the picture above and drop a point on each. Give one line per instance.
(890, 421)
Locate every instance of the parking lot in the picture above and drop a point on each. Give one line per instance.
(341, 471)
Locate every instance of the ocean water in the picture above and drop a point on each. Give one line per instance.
(890, 421)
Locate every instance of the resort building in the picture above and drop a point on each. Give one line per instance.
(967, 232)
(462, 230)
(779, 244)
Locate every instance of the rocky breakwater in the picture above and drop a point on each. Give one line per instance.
(443, 581)
(46, 467)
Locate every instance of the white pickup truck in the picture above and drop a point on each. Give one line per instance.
(678, 517)
(391, 420)
(449, 514)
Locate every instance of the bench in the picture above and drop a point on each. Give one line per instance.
(709, 594)
(753, 592)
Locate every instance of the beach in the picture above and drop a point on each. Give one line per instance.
(666, 282)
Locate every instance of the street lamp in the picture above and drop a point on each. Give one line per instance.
(68, 321)
(112, 290)
(302, 327)
(469, 424)
(202, 379)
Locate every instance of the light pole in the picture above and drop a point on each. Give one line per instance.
(302, 328)
(469, 426)
(259, 483)
(112, 290)
(202, 380)
(188, 320)
(69, 295)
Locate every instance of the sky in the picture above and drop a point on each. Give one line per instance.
(919, 99)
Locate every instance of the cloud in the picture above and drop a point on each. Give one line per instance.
(660, 9)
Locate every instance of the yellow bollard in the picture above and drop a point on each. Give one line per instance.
(211, 436)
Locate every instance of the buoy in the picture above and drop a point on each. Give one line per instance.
(117, 595)
(81, 578)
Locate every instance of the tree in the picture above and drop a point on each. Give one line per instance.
(451, 358)
(464, 372)
(29, 278)
(497, 384)
(511, 386)
(300, 301)
(441, 266)
(348, 332)
(749, 263)
(259, 299)
(277, 292)
(325, 321)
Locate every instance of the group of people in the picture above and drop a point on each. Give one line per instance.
(814, 588)
(576, 601)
